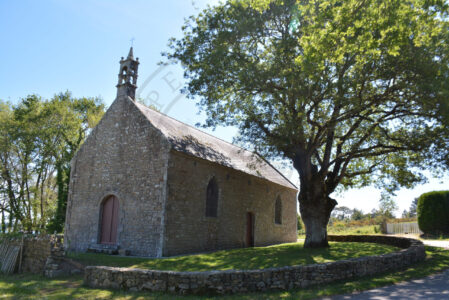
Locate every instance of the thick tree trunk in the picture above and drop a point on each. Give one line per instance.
(315, 215)
(315, 204)
(315, 207)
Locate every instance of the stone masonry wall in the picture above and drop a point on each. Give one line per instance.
(188, 230)
(36, 251)
(239, 281)
(127, 157)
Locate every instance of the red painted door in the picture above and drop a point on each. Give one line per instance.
(109, 220)
(249, 229)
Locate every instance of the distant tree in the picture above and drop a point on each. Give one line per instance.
(299, 223)
(37, 140)
(374, 213)
(387, 206)
(351, 92)
(83, 114)
(413, 208)
(357, 214)
(405, 214)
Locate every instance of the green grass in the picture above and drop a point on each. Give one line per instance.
(37, 287)
(368, 229)
(241, 259)
(345, 230)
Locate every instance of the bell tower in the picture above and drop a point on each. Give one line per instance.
(127, 78)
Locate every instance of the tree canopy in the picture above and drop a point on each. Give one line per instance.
(38, 138)
(352, 92)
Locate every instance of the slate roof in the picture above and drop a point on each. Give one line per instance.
(187, 139)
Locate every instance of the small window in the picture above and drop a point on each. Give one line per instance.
(212, 198)
(278, 211)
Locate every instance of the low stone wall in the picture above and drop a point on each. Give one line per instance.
(35, 250)
(239, 281)
(42, 254)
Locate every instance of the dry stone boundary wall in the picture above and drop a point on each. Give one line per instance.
(240, 281)
(42, 254)
(35, 250)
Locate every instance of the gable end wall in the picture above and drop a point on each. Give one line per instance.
(127, 157)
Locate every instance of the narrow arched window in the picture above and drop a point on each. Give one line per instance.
(212, 198)
(278, 211)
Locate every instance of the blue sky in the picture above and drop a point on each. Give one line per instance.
(52, 46)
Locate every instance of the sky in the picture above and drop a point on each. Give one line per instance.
(48, 47)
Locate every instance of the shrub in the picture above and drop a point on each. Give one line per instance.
(300, 225)
(433, 212)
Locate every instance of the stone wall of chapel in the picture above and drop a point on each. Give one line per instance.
(127, 157)
(188, 230)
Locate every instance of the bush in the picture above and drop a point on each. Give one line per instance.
(433, 212)
(300, 224)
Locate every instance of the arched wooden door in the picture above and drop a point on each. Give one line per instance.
(109, 220)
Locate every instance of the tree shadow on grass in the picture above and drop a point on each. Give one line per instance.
(243, 259)
(428, 236)
(37, 287)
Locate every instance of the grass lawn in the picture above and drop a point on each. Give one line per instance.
(346, 230)
(241, 259)
(368, 229)
(37, 287)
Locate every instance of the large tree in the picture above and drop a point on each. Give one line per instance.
(352, 92)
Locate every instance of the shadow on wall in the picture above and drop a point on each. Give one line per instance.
(189, 144)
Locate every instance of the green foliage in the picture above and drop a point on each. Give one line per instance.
(357, 214)
(56, 224)
(38, 138)
(433, 212)
(387, 206)
(300, 225)
(413, 208)
(353, 93)
(350, 77)
(352, 229)
(10, 235)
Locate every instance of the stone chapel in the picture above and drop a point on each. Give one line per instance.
(146, 184)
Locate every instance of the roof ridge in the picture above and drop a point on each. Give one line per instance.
(165, 115)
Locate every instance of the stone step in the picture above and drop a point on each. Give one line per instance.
(103, 248)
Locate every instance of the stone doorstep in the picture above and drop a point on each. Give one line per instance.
(103, 248)
(58, 266)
